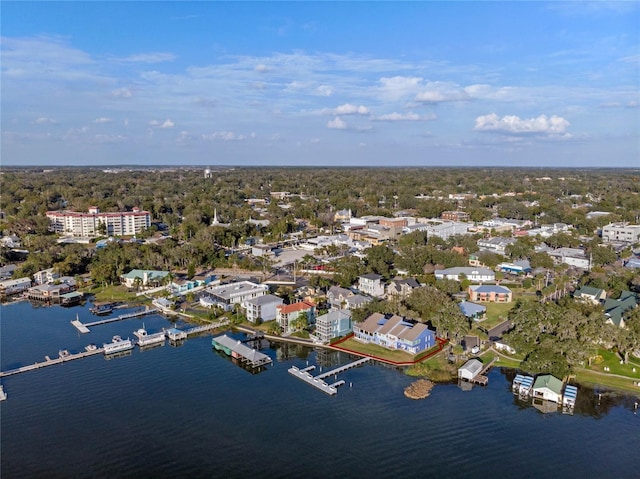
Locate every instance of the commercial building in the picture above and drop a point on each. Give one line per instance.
(227, 295)
(621, 232)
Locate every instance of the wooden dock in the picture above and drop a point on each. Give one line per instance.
(50, 362)
(318, 381)
(84, 327)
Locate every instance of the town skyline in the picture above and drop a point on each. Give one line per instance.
(519, 84)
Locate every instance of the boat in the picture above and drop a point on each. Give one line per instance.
(91, 347)
(3, 395)
(117, 344)
(100, 309)
(63, 353)
(145, 339)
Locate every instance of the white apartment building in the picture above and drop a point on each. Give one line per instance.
(621, 232)
(73, 223)
(226, 295)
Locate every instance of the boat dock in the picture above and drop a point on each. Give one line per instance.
(318, 381)
(50, 362)
(343, 368)
(84, 327)
(206, 327)
(236, 349)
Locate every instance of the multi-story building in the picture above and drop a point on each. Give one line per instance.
(621, 232)
(490, 293)
(262, 308)
(287, 313)
(227, 295)
(394, 332)
(94, 223)
(332, 325)
(371, 284)
(477, 275)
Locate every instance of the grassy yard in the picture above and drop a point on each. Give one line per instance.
(115, 293)
(611, 360)
(375, 350)
(590, 378)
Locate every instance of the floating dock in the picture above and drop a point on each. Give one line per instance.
(318, 381)
(84, 327)
(236, 349)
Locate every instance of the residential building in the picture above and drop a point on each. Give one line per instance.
(337, 297)
(590, 294)
(473, 311)
(632, 263)
(72, 223)
(287, 313)
(490, 293)
(621, 232)
(446, 229)
(45, 276)
(517, 267)
(401, 288)
(497, 244)
(227, 295)
(357, 301)
(146, 278)
(548, 388)
(571, 256)
(7, 271)
(50, 292)
(14, 286)
(394, 332)
(332, 325)
(476, 275)
(262, 308)
(371, 284)
(614, 309)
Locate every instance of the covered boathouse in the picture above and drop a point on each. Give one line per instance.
(236, 349)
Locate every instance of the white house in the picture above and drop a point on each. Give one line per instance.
(477, 275)
(371, 284)
(262, 308)
(571, 256)
(227, 295)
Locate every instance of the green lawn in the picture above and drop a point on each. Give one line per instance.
(611, 360)
(378, 351)
(115, 293)
(589, 378)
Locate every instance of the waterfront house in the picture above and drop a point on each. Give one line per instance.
(14, 286)
(262, 308)
(46, 276)
(7, 271)
(143, 278)
(469, 370)
(548, 388)
(394, 332)
(473, 311)
(490, 293)
(49, 292)
(476, 275)
(371, 284)
(332, 325)
(227, 295)
(287, 313)
(522, 384)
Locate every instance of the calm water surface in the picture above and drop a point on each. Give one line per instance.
(188, 411)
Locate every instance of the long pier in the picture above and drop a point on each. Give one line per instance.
(206, 327)
(50, 362)
(84, 327)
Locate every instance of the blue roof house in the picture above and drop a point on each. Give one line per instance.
(473, 311)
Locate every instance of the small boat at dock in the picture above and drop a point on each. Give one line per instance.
(146, 339)
(117, 345)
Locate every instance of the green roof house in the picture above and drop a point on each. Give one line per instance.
(548, 387)
(614, 309)
(591, 294)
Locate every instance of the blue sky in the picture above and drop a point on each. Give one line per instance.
(321, 83)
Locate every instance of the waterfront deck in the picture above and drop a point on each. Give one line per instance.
(84, 327)
(236, 349)
(50, 362)
(343, 368)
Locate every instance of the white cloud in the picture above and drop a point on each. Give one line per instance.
(43, 120)
(167, 124)
(223, 136)
(262, 68)
(324, 90)
(121, 93)
(394, 88)
(154, 57)
(337, 124)
(514, 125)
(438, 92)
(347, 109)
(410, 116)
(103, 119)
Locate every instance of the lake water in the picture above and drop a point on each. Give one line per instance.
(188, 411)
